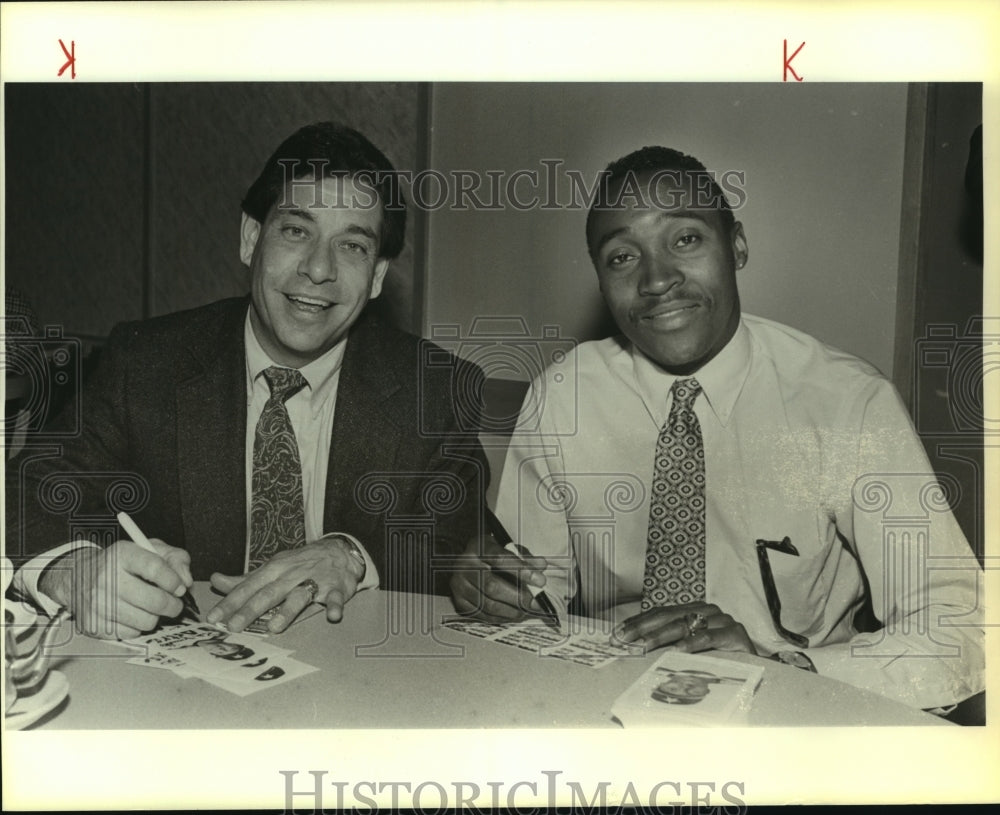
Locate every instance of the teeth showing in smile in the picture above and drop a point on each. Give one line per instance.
(310, 303)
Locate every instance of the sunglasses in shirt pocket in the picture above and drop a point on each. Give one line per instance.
(795, 587)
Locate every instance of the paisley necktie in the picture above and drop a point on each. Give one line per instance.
(277, 513)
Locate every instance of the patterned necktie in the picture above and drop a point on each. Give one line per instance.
(675, 555)
(277, 514)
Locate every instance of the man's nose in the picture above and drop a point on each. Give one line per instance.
(660, 273)
(320, 265)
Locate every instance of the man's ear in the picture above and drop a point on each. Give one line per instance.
(741, 251)
(381, 267)
(249, 232)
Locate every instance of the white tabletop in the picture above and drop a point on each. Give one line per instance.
(388, 665)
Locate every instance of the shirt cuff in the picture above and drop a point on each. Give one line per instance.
(371, 578)
(25, 582)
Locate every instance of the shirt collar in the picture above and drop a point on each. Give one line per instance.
(320, 374)
(721, 378)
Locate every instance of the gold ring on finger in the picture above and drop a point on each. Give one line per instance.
(695, 621)
(311, 586)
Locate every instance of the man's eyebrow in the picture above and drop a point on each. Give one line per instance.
(674, 214)
(607, 237)
(358, 229)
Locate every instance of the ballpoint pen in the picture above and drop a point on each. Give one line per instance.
(137, 536)
(496, 529)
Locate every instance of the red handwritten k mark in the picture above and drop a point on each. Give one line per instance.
(70, 59)
(787, 67)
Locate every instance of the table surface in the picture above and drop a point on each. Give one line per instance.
(388, 665)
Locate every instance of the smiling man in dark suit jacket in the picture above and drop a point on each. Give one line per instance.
(181, 412)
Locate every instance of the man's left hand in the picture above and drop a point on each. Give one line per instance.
(670, 626)
(279, 583)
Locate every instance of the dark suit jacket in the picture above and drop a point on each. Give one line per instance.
(163, 431)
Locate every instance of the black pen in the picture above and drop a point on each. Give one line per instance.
(139, 538)
(502, 537)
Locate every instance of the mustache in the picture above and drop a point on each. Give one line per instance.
(669, 304)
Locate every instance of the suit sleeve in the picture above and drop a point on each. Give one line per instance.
(416, 510)
(461, 474)
(60, 490)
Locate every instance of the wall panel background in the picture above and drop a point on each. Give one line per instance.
(823, 165)
(124, 200)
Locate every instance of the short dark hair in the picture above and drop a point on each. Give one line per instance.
(342, 152)
(648, 160)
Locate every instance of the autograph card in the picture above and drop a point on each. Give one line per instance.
(689, 689)
(582, 648)
(279, 672)
(238, 663)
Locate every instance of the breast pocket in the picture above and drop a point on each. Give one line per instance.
(797, 596)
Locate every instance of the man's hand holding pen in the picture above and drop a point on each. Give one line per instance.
(491, 584)
(120, 591)
(496, 585)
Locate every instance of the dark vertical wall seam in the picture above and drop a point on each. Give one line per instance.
(149, 197)
(420, 219)
(914, 167)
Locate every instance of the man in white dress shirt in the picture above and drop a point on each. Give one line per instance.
(812, 523)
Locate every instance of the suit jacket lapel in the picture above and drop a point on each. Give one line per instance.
(211, 442)
(366, 435)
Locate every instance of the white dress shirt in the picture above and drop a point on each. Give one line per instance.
(802, 441)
